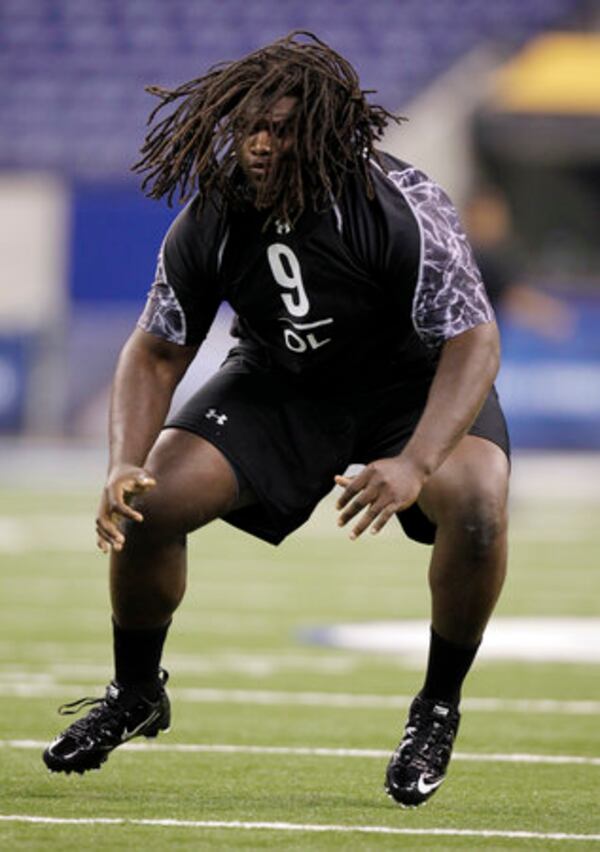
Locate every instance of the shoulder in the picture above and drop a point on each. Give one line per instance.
(405, 183)
(449, 296)
(392, 205)
(420, 194)
(184, 296)
(383, 166)
(390, 177)
(380, 225)
(441, 233)
(194, 230)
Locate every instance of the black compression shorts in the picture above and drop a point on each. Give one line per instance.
(286, 445)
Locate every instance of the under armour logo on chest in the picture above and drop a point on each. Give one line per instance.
(282, 227)
(213, 414)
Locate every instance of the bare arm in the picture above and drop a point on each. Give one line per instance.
(466, 371)
(148, 371)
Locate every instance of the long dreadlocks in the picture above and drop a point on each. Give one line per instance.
(334, 128)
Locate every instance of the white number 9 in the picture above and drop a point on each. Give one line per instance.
(286, 272)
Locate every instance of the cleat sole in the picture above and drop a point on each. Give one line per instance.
(403, 805)
(56, 767)
(97, 764)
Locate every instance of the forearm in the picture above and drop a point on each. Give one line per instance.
(141, 395)
(466, 371)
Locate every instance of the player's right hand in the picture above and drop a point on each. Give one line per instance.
(124, 482)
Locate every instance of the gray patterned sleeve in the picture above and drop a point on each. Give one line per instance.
(450, 297)
(163, 314)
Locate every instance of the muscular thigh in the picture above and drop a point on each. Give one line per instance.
(195, 483)
(471, 483)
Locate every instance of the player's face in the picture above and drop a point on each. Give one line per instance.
(270, 138)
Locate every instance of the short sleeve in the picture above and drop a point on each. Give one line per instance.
(183, 299)
(449, 296)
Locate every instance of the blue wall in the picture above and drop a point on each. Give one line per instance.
(115, 237)
(551, 389)
(14, 369)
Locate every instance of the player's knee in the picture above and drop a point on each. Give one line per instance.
(160, 522)
(481, 523)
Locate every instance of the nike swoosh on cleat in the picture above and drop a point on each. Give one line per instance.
(127, 735)
(425, 787)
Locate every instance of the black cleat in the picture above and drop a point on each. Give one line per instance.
(418, 766)
(123, 713)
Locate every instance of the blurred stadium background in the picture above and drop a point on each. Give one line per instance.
(501, 97)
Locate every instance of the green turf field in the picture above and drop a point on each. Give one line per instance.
(278, 743)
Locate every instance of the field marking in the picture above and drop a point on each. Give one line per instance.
(255, 665)
(318, 751)
(209, 695)
(560, 639)
(302, 827)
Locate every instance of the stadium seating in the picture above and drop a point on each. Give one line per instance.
(73, 72)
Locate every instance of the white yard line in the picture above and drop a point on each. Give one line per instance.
(303, 827)
(342, 700)
(541, 639)
(256, 665)
(307, 751)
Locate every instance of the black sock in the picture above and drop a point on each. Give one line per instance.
(447, 667)
(137, 656)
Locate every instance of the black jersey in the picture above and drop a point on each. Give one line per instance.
(366, 292)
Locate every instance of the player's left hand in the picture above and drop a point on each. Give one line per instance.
(383, 488)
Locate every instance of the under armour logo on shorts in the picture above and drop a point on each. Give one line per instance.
(213, 414)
